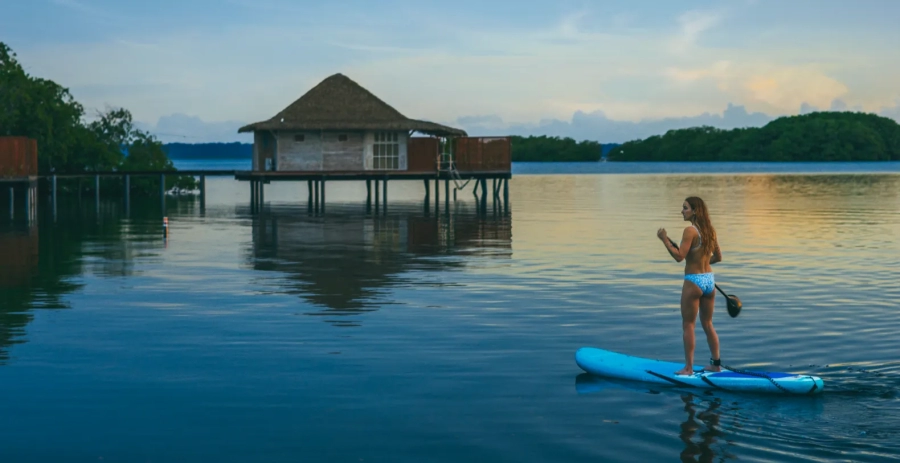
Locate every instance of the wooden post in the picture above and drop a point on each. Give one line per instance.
(252, 195)
(368, 194)
(437, 194)
(202, 192)
(506, 193)
(484, 195)
(27, 201)
(262, 194)
(316, 187)
(32, 201)
(12, 203)
(162, 191)
(384, 193)
(309, 198)
(447, 194)
(127, 195)
(377, 194)
(97, 193)
(53, 195)
(323, 195)
(427, 203)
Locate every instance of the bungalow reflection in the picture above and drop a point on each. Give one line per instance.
(19, 249)
(347, 262)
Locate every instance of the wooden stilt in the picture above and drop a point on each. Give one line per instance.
(506, 195)
(202, 192)
(377, 195)
(437, 195)
(262, 194)
(53, 195)
(97, 194)
(384, 193)
(316, 207)
(27, 202)
(484, 195)
(127, 195)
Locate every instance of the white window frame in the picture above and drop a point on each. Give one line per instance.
(386, 151)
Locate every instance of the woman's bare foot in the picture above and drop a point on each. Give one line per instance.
(685, 371)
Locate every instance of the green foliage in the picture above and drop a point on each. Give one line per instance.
(545, 149)
(815, 137)
(47, 112)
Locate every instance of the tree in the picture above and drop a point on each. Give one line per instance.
(45, 111)
(823, 136)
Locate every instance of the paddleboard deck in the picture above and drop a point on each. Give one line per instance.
(610, 364)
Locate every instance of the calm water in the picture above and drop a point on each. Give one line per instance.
(284, 336)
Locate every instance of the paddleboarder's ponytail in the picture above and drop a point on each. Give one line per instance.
(708, 239)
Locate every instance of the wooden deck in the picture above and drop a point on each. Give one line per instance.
(268, 176)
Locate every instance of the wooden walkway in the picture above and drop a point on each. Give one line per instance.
(316, 181)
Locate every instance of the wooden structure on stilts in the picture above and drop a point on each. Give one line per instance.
(339, 131)
(19, 175)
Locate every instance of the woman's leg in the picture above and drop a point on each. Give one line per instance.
(707, 306)
(690, 301)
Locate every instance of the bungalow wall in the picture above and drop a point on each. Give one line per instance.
(328, 151)
(264, 147)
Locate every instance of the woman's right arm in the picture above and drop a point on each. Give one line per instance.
(717, 256)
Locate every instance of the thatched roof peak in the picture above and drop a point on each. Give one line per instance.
(339, 103)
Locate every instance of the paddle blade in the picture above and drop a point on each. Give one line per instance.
(734, 305)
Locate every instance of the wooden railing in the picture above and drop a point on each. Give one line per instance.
(471, 154)
(18, 157)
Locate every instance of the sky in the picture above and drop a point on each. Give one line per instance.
(195, 70)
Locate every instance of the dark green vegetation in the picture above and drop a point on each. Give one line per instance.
(45, 111)
(524, 149)
(816, 137)
(554, 149)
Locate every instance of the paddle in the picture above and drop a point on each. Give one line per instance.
(733, 302)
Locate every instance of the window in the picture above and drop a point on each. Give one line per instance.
(342, 137)
(299, 138)
(386, 151)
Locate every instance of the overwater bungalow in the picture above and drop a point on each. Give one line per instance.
(338, 130)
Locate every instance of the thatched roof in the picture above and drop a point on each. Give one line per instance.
(339, 103)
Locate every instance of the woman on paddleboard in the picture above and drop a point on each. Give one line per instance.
(699, 249)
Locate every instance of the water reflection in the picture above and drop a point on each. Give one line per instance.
(20, 251)
(43, 262)
(344, 261)
(700, 431)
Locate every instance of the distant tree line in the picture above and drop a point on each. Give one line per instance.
(815, 137)
(235, 150)
(45, 111)
(554, 149)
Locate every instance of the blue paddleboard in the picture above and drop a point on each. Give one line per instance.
(615, 365)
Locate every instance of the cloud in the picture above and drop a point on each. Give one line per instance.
(181, 128)
(892, 111)
(765, 86)
(597, 126)
(691, 25)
